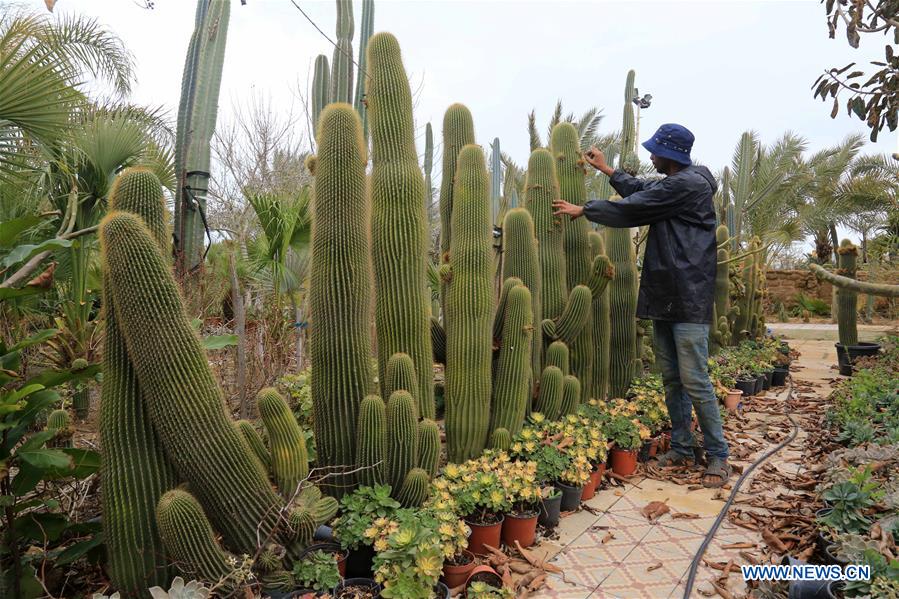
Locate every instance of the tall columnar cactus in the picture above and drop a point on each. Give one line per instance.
(61, 424)
(499, 318)
(542, 189)
(511, 386)
(399, 240)
(321, 88)
(290, 460)
(340, 290)
(366, 28)
(254, 440)
(744, 324)
(599, 382)
(181, 397)
(134, 468)
(557, 355)
(571, 395)
(342, 59)
(847, 299)
(469, 310)
(722, 275)
(190, 540)
(520, 260)
(549, 400)
(565, 144)
(402, 439)
(401, 376)
(428, 446)
(414, 490)
(438, 341)
(428, 167)
(574, 318)
(372, 446)
(623, 310)
(197, 112)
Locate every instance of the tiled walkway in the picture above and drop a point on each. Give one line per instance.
(617, 553)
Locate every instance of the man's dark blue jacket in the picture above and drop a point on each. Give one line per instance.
(678, 279)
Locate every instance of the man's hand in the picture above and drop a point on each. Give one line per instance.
(561, 207)
(597, 160)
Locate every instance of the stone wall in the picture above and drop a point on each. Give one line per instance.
(785, 285)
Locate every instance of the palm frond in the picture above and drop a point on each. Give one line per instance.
(555, 120)
(532, 132)
(588, 125)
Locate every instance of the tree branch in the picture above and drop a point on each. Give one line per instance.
(842, 282)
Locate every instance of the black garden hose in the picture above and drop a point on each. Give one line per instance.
(733, 493)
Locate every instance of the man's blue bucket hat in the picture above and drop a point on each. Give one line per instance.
(671, 141)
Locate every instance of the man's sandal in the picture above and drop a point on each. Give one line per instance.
(716, 474)
(672, 458)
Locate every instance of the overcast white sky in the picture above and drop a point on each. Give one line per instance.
(717, 67)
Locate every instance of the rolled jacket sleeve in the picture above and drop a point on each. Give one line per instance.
(643, 202)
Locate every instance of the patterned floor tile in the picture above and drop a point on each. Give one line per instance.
(601, 594)
(604, 499)
(645, 574)
(585, 567)
(556, 588)
(573, 525)
(671, 542)
(625, 535)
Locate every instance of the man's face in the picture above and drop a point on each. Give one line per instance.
(661, 164)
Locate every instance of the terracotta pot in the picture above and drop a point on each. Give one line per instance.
(455, 576)
(482, 534)
(484, 574)
(519, 528)
(597, 475)
(624, 461)
(732, 401)
(589, 489)
(664, 442)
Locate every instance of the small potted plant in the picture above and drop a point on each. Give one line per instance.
(626, 434)
(458, 561)
(317, 570)
(481, 498)
(572, 480)
(410, 559)
(483, 590)
(533, 445)
(520, 522)
(359, 512)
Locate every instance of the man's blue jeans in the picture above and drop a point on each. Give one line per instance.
(682, 353)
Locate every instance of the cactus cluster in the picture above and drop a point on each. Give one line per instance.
(847, 299)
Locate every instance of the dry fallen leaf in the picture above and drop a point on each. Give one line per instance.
(685, 516)
(774, 541)
(609, 536)
(739, 546)
(655, 510)
(655, 566)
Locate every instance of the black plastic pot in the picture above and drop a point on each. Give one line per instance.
(550, 511)
(835, 589)
(843, 360)
(441, 591)
(760, 384)
(571, 496)
(831, 557)
(805, 589)
(779, 376)
(324, 534)
(769, 379)
(366, 583)
(359, 562)
(747, 386)
(823, 540)
(847, 355)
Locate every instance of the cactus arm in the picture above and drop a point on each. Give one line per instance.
(571, 395)
(366, 29)
(372, 446)
(342, 59)
(511, 386)
(878, 289)
(402, 439)
(521, 260)
(321, 89)
(289, 459)
(575, 318)
(428, 446)
(549, 399)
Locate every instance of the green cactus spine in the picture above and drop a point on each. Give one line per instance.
(290, 461)
(399, 238)
(499, 318)
(521, 260)
(571, 395)
(458, 132)
(81, 401)
(469, 310)
(401, 376)
(500, 439)
(134, 468)
(321, 88)
(623, 311)
(342, 59)
(549, 400)
(414, 490)
(511, 386)
(438, 341)
(189, 538)
(565, 144)
(366, 29)
(301, 526)
(254, 440)
(542, 189)
(847, 299)
(428, 446)
(574, 319)
(557, 355)
(372, 445)
(197, 112)
(602, 325)
(182, 399)
(402, 438)
(340, 291)
(61, 424)
(722, 274)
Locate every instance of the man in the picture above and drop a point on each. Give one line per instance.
(677, 284)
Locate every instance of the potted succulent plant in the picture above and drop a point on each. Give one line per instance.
(520, 522)
(572, 480)
(317, 570)
(627, 435)
(458, 562)
(479, 589)
(409, 557)
(481, 498)
(359, 512)
(533, 445)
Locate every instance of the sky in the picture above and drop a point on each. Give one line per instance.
(718, 67)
